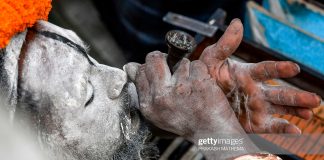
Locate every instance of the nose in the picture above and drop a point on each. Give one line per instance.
(116, 80)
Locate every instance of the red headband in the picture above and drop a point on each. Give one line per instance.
(17, 15)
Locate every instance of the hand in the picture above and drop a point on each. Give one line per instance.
(187, 103)
(247, 81)
(183, 103)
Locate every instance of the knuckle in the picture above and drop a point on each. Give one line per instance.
(184, 61)
(182, 89)
(199, 66)
(161, 100)
(198, 86)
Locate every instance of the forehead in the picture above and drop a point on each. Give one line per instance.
(46, 26)
(61, 38)
(54, 61)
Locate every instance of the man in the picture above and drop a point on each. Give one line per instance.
(84, 110)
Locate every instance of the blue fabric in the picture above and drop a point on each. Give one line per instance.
(292, 43)
(310, 20)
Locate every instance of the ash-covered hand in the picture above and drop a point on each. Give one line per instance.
(185, 102)
(246, 81)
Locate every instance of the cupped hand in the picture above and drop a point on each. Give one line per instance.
(254, 101)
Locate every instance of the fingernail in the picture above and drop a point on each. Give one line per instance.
(299, 131)
(235, 20)
(319, 99)
(297, 67)
(293, 129)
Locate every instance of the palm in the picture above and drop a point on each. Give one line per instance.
(253, 101)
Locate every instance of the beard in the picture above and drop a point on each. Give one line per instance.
(135, 142)
(136, 145)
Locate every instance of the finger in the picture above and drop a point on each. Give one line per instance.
(157, 70)
(278, 125)
(271, 69)
(143, 87)
(131, 69)
(198, 71)
(282, 95)
(182, 72)
(226, 45)
(304, 113)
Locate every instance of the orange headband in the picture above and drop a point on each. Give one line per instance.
(17, 15)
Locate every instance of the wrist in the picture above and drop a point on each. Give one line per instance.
(228, 125)
(233, 133)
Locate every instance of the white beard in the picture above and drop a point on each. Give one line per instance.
(135, 144)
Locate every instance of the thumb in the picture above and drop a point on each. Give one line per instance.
(226, 45)
(131, 70)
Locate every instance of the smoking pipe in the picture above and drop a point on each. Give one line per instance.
(180, 45)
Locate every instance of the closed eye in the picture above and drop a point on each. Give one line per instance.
(90, 94)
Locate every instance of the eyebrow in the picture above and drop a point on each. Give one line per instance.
(64, 40)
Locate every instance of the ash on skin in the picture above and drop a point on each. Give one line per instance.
(78, 108)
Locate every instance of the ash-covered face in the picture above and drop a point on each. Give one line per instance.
(81, 108)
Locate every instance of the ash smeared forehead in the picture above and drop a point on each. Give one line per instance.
(65, 36)
(46, 26)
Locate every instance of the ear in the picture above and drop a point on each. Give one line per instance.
(9, 57)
